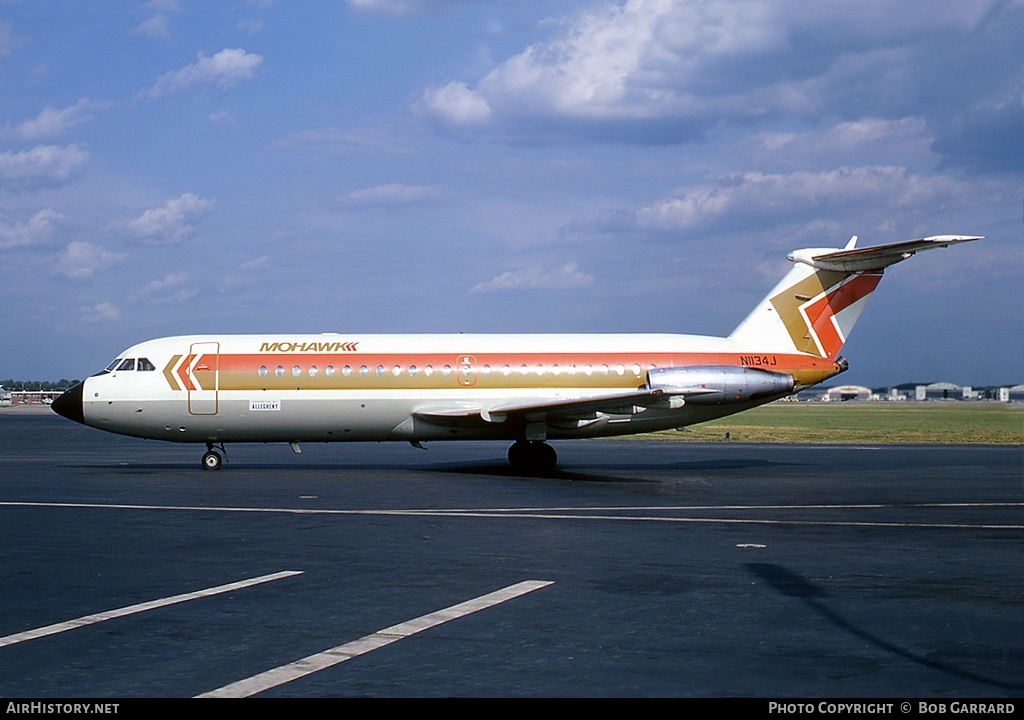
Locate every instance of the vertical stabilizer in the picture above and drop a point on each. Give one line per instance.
(814, 308)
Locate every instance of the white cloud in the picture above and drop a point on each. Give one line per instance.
(566, 277)
(101, 312)
(169, 281)
(80, 260)
(389, 194)
(668, 71)
(8, 41)
(171, 223)
(156, 27)
(172, 287)
(639, 60)
(221, 71)
(38, 230)
(457, 104)
(42, 166)
(760, 199)
(221, 117)
(398, 7)
(50, 122)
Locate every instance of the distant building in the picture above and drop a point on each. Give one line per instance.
(913, 391)
(939, 391)
(844, 393)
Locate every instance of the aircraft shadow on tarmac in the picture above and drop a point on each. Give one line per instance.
(498, 469)
(787, 582)
(600, 472)
(595, 473)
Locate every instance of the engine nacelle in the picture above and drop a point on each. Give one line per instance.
(722, 383)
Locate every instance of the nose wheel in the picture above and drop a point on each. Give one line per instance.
(212, 459)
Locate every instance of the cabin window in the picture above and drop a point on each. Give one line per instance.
(363, 370)
(506, 370)
(619, 370)
(346, 371)
(380, 370)
(413, 370)
(587, 370)
(145, 365)
(313, 371)
(263, 371)
(396, 370)
(540, 370)
(279, 371)
(447, 370)
(604, 369)
(428, 370)
(329, 370)
(636, 370)
(486, 370)
(296, 370)
(127, 364)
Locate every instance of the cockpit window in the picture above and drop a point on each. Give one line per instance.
(145, 364)
(127, 364)
(112, 365)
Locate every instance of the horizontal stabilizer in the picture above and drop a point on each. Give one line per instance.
(875, 258)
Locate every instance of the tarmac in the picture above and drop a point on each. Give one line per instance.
(637, 569)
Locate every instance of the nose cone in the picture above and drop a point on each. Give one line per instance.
(69, 404)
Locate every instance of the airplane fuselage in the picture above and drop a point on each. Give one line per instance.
(264, 388)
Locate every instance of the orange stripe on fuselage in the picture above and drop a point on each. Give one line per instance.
(409, 371)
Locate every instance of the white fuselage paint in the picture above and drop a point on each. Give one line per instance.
(263, 388)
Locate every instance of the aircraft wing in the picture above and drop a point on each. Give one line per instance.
(562, 409)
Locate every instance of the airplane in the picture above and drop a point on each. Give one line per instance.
(527, 388)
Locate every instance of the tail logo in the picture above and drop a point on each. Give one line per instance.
(809, 309)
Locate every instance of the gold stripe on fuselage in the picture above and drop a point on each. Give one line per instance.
(598, 371)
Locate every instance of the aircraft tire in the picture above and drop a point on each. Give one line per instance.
(532, 456)
(211, 460)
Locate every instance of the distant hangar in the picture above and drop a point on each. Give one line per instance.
(914, 391)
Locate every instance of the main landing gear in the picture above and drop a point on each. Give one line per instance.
(211, 458)
(532, 456)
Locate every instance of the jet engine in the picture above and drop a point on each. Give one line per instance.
(717, 384)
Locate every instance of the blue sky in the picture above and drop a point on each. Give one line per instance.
(176, 167)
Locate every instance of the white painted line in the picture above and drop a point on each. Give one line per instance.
(591, 513)
(328, 658)
(140, 607)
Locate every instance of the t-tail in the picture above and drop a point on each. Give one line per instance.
(814, 307)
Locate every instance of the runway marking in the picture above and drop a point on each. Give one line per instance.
(329, 658)
(141, 607)
(590, 513)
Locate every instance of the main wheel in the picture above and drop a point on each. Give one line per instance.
(211, 460)
(532, 456)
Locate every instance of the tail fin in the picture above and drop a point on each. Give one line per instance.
(814, 308)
